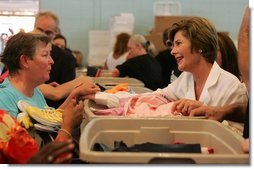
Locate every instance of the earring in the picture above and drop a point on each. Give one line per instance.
(200, 51)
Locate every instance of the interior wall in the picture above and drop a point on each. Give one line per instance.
(77, 17)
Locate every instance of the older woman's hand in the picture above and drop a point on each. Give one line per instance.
(90, 97)
(83, 79)
(86, 89)
(73, 115)
(185, 106)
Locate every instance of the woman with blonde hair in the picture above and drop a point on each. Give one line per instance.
(202, 82)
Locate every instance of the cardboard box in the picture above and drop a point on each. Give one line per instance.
(163, 22)
(99, 47)
(160, 24)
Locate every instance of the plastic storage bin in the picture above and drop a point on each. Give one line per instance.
(112, 81)
(135, 89)
(208, 133)
(89, 115)
(106, 73)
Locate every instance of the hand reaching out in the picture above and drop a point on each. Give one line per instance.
(86, 89)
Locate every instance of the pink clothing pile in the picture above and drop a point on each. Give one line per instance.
(151, 105)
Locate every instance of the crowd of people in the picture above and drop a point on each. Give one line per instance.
(211, 76)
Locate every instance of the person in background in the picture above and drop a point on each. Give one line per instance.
(78, 55)
(235, 112)
(168, 62)
(151, 50)
(227, 55)
(60, 41)
(27, 58)
(63, 69)
(119, 53)
(140, 64)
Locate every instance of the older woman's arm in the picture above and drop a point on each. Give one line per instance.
(57, 92)
(79, 92)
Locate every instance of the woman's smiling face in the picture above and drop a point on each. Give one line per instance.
(186, 58)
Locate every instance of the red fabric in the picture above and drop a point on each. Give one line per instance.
(3, 76)
(16, 145)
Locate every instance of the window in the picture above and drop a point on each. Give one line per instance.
(16, 15)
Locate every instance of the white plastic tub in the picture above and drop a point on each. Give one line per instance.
(113, 81)
(208, 133)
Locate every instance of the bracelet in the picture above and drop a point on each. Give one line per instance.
(65, 131)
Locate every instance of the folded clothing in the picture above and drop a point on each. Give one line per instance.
(120, 146)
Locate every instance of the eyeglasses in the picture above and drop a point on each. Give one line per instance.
(47, 32)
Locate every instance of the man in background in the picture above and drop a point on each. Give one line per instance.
(63, 69)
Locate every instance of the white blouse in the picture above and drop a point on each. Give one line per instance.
(111, 62)
(221, 88)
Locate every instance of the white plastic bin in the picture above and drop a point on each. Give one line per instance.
(89, 115)
(208, 133)
(113, 81)
(135, 89)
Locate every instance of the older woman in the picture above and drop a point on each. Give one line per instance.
(140, 63)
(27, 57)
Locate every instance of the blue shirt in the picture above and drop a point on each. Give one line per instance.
(9, 97)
